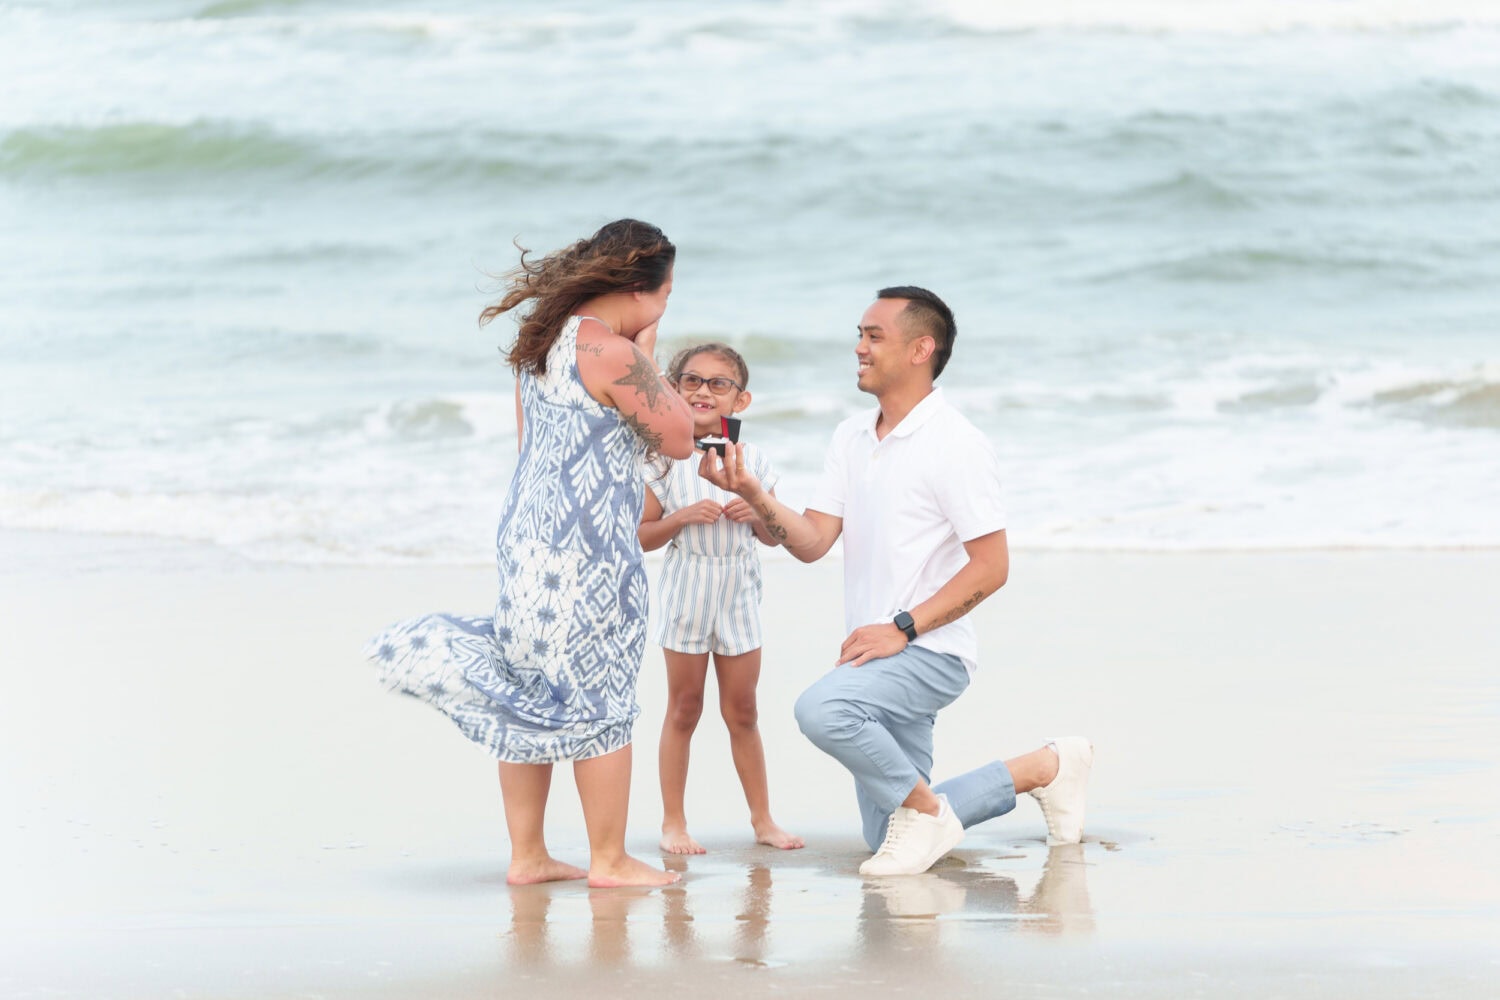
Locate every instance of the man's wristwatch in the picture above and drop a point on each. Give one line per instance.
(904, 623)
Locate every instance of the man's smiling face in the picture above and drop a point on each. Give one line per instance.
(882, 353)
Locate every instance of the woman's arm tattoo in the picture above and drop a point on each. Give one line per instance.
(651, 438)
(642, 377)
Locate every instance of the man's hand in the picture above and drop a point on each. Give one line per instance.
(730, 474)
(807, 535)
(702, 512)
(871, 642)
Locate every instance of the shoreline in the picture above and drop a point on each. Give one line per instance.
(27, 551)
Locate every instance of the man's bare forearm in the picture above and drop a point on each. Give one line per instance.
(793, 531)
(980, 577)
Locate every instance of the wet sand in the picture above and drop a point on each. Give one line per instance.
(1296, 793)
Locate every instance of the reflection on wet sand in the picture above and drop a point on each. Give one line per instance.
(723, 911)
(611, 909)
(751, 922)
(528, 924)
(754, 917)
(1060, 901)
(902, 917)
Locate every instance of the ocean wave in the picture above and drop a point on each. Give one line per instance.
(828, 20)
(1257, 451)
(243, 8)
(168, 348)
(215, 149)
(1469, 402)
(1188, 189)
(1164, 17)
(485, 416)
(320, 252)
(150, 148)
(1255, 264)
(1463, 398)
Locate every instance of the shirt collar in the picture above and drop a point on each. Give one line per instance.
(919, 415)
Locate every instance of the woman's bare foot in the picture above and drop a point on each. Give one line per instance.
(628, 871)
(675, 840)
(771, 835)
(546, 869)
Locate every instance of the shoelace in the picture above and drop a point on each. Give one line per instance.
(893, 831)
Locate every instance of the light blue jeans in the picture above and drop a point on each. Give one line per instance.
(877, 721)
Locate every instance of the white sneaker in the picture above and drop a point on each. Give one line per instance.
(1062, 800)
(914, 841)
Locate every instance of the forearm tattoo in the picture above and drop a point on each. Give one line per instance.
(963, 609)
(642, 377)
(768, 518)
(651, 438)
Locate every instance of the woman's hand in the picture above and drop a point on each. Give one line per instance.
(645, 339)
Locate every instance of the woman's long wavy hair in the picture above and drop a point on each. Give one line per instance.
(624, 256)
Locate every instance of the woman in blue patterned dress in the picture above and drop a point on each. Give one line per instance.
(551, 676)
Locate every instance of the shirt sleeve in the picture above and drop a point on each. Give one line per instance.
(833, 488)
(974, 502)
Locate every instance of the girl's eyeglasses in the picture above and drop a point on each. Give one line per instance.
(719, 386)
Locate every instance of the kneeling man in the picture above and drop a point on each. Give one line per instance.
(914, 489)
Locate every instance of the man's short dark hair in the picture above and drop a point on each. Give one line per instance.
(926, 315)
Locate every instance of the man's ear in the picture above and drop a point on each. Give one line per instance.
(743, 400)
(923, 348)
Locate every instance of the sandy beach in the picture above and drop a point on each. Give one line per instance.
(207, 795)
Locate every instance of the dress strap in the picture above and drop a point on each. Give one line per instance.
(596, 319)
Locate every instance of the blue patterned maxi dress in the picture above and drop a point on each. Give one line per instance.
(552, 675)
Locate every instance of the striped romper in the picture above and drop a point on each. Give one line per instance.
(710, 586)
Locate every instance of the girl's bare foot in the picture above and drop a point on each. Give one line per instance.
(675, 840)
(628, 871)
(771, 835)
(546, 869)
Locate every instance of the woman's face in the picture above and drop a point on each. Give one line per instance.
(653, 304)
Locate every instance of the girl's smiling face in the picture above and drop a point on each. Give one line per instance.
(708, 406)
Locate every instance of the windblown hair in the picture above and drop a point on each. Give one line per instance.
(926, 315)
(624, 256)
(729, 354)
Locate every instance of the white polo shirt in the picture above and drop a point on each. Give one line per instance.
(909, 502)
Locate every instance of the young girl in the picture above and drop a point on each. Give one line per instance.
(709, 598)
